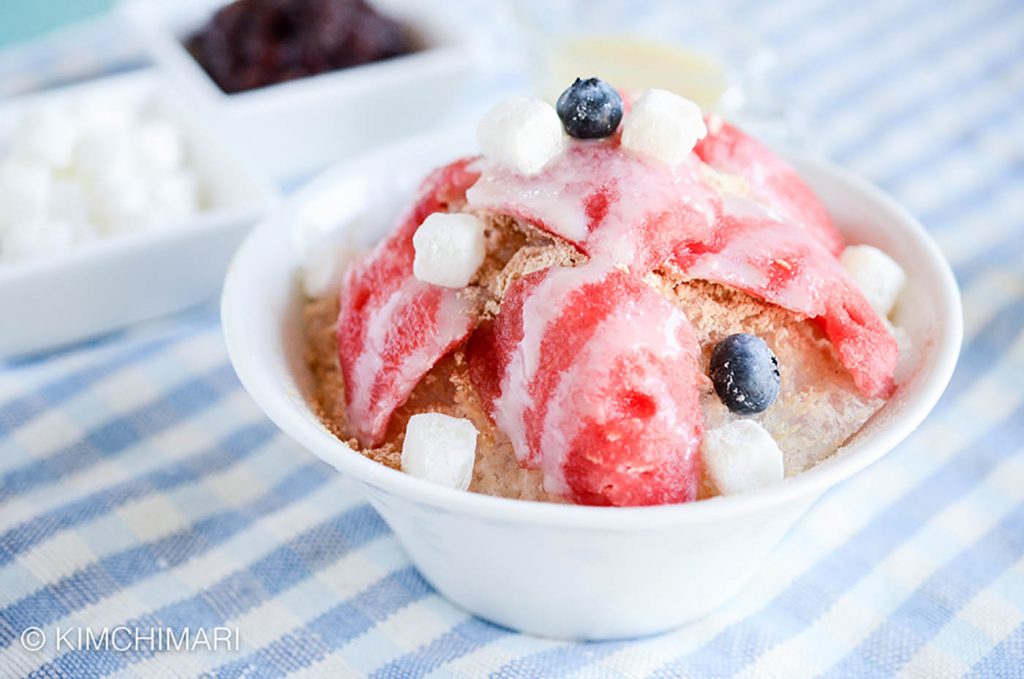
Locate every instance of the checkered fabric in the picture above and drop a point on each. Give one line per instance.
(140, 486)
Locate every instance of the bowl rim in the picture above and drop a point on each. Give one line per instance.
(314, 437)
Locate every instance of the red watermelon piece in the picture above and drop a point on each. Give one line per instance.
(781, 265)
(392, 327)
(647, 216)
(603, 395)
(772, 180)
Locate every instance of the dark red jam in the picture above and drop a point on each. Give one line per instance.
(253, 43)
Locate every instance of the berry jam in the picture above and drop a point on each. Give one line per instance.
(254, 43)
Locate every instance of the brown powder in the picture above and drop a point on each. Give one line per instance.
(818, 407)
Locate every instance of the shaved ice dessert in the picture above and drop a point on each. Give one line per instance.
(617, 303)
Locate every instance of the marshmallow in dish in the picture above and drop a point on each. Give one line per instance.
(648, 307)
(78, 171)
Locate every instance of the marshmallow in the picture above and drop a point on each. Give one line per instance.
(449, 249)
(46, 135)
(522, 133)
(103, 150)
(68, 201)
(325, 267)
(120, 202)
(327, 253)
(907, 361)
(664, 126)
(161, 148)
(174, 195)
(29, 241)
(877, 275)
(741, 456)
(440, 449)
(24, 192)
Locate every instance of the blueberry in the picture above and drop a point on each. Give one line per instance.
(745, 373)
(590, 109)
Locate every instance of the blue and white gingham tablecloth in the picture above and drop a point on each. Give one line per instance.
(139, 485)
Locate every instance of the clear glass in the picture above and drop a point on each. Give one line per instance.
(700, 50)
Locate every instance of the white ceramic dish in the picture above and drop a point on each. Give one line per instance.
(117, 281)
(560, 570)
(296, 127)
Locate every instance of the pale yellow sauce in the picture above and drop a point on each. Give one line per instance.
(636, 64)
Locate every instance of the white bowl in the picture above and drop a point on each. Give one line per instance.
(116, 281)
(560, 570)
(295, 127)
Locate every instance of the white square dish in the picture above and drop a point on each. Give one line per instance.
(113, 282)
(295, 127)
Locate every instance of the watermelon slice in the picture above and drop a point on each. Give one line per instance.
(772, 181)
(594, 376)
(392, 327)
(779, 264)
(779, 246)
